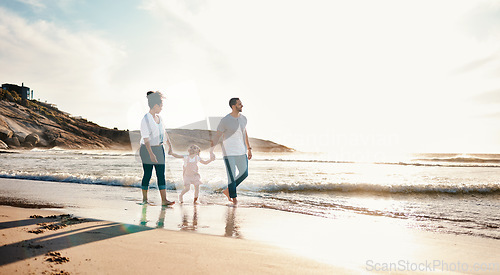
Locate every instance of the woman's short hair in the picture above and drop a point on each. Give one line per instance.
(154, 98)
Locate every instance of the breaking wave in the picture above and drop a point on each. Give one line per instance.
(216, 186)
(375, 188)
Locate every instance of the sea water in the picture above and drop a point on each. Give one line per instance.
(452, 193)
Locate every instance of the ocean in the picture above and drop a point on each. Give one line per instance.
(449, 193)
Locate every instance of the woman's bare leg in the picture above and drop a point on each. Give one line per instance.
(144, 196)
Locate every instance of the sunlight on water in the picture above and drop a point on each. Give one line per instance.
(451, 192)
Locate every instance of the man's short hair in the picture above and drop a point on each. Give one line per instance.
(154, 98)
(233, 101)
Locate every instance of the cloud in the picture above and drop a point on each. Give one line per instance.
(477, 64)
(49, 6)
(182, 49)
(483, 22)
(181, 8)
(37, 4)
(192, 49)
(489, 97)
(61, 65)
(493, 115)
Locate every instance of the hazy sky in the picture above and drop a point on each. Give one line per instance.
(350, 77)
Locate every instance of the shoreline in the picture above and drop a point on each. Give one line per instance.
(19, 203)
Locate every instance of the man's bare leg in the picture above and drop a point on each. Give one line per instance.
(235, 201)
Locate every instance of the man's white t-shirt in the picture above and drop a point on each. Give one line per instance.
(233, 130)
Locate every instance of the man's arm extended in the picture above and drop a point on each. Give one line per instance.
(215, 140)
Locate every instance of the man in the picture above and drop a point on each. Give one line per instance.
(235, 147)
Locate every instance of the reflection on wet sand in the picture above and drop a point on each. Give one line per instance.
(224, 220)
(186, 226)
(161, 218)
(144, 220)
(232, 223)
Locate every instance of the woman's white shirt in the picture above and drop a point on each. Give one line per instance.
(152, 131)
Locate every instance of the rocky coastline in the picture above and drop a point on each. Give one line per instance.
(25, 124)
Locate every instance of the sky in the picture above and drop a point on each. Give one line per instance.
(355, 79)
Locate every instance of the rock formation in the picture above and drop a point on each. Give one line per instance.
(182, 139)
(30, 123)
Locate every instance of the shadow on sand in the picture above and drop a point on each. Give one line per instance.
(84, 234)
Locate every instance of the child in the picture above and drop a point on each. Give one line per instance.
(190, 170)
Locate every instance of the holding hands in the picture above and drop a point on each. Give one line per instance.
(171, 152)
(192, 154)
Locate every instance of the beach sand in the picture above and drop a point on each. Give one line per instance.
(124, 237)
(100, 247)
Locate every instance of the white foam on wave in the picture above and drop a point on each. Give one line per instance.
(217, 184)
(373, 188)
(125, 181)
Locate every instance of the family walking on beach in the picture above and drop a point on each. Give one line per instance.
(235, 148)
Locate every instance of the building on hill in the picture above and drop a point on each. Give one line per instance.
(23, 91)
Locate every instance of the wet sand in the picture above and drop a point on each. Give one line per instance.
(99, 247)
(122, 236)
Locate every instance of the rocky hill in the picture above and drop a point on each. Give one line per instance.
(30, 123)
(182, 139)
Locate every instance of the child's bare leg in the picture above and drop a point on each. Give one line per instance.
(184, 191)
(144, 196)
(226, 192)
(196, 191)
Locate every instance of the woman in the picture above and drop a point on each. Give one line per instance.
(153, 137)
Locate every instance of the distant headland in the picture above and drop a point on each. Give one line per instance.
(26, 123)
